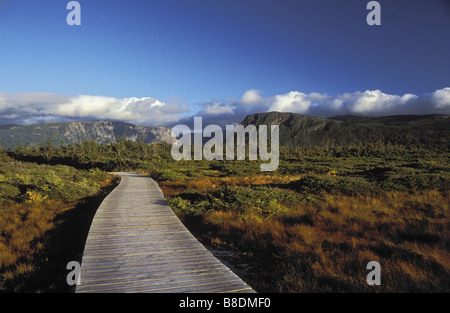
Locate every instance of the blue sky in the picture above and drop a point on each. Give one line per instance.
(157, 62)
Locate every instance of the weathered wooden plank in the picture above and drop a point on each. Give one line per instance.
(137, 244)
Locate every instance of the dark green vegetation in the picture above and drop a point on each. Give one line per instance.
(315, 223)
(310, 226)
(304, 130)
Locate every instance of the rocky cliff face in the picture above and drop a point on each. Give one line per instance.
(75, 132)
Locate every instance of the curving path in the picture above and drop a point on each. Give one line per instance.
(137, 244)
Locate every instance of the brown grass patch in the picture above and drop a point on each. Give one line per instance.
(325, 246)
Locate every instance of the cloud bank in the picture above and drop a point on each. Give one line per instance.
(367, 103)
(31, 108)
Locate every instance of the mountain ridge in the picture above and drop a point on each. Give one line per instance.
(303, 130)
(74, 132)
(295, 130)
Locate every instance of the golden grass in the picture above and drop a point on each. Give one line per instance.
(211, 183)
(23, 225)
(23, 229)
(324, 246)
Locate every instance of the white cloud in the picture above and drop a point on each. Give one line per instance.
(251, 97)
(29, 108)
(441, 98)
(38, 107)
(375, 101)
(293, 101)
(140, 110)
(218, 108)
(369, 102)
(318, 97)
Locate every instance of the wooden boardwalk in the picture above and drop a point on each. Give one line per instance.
(137, 244)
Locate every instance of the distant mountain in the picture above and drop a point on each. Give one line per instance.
(295, 130)
(75, 132)
(304, 130)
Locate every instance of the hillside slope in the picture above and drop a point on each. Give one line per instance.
(304, 130)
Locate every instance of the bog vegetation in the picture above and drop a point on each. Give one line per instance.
(44, 216)
(310, 226)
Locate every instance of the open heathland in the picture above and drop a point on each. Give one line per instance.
(310, 226)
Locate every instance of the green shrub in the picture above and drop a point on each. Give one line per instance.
(314, 184)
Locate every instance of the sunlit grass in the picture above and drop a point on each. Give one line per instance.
(28, 213)
(311, 226)
(324, 245)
